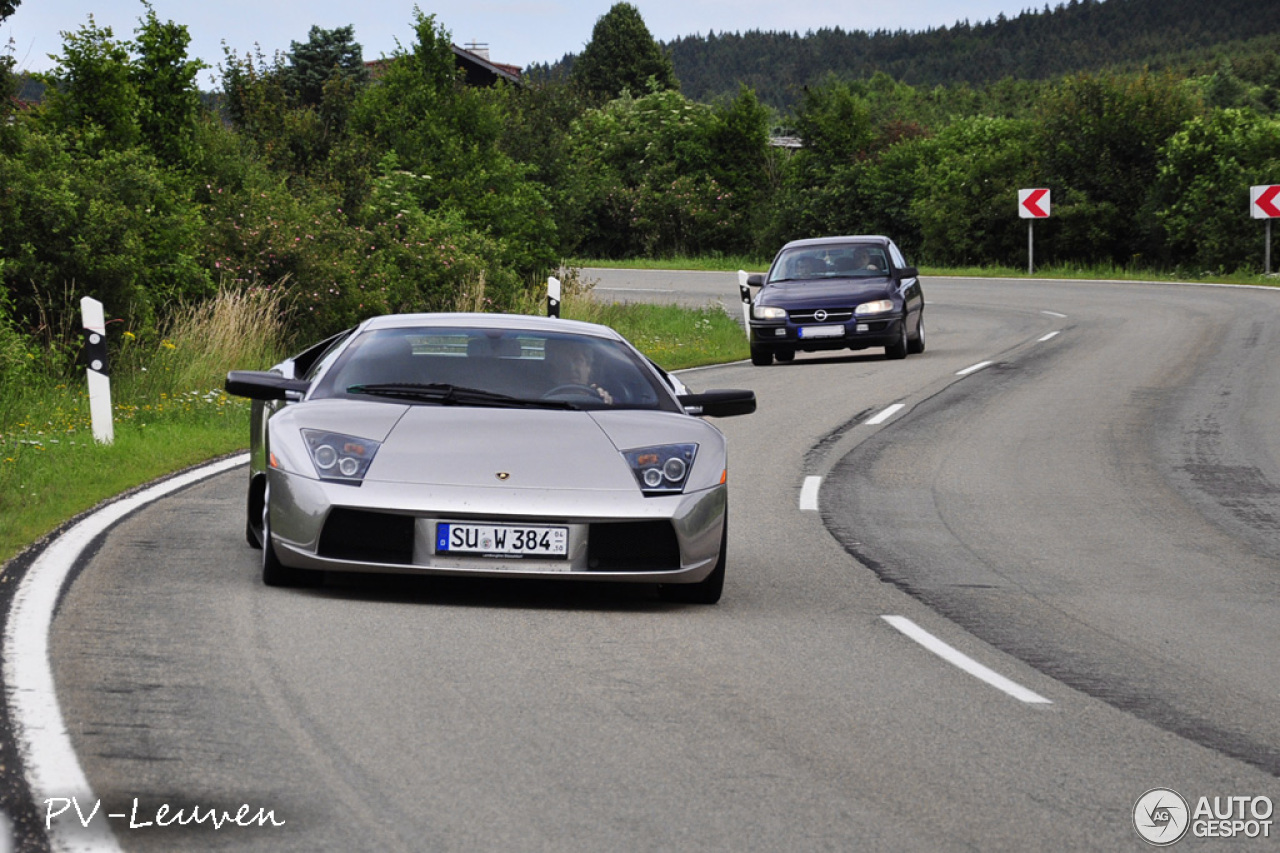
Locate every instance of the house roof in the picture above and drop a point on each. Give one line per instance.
(481, 71)
(476, 65)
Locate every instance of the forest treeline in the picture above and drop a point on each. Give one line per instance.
(1078, 36)
(405, 189)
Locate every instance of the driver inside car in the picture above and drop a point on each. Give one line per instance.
(573, 363)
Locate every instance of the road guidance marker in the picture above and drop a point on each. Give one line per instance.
(95, 352)
(1264, 203)
(1033, 204)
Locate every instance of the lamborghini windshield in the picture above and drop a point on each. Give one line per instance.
(494, 368)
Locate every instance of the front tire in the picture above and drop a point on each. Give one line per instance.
(899, 348)
(761, 357)
(916, 346)
(253, 515)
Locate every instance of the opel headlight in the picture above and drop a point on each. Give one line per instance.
(768, 312)
(880, 306)
(662, 470)
(339, 457)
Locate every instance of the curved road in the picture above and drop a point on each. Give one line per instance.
(1075, 487)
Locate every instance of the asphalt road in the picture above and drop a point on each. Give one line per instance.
(1091, 514)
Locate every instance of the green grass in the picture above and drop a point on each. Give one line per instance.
(674, 337)
(1102, 273)
(169, 411)
(45, 480)
(711, 264)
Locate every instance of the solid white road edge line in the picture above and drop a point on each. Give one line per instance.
(886, 414)
(52, 768)
(963, 661)
(809, 493)
(973, 368)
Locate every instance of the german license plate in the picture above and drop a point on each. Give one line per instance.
(822, 331)
(502, 540)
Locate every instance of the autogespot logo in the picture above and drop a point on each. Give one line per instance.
(1161, 817)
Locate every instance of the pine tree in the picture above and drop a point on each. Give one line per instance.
(326, 54)
(622, 55)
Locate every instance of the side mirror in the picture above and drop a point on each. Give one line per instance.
(719, 404)
(265, 385)
(908, 272)
(756, 279)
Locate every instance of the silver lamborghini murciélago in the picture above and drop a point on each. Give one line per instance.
(486, 445)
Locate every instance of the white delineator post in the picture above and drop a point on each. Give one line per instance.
(745, 292)
(553, 297)
(95, 358)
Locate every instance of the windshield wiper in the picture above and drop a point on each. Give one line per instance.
(451, 395)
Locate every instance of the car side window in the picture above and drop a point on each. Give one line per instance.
(326, 356)
(898, 261)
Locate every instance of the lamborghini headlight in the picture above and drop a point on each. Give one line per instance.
(662, 470)
(339, 457)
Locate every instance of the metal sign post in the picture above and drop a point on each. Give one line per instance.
(95, 352)
(1031, 246)
(1033, 204)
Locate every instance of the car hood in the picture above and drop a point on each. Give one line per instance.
(501, 448)
(826, 293)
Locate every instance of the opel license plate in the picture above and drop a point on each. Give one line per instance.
(822, 331)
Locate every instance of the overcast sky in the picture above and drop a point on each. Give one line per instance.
(518, 32)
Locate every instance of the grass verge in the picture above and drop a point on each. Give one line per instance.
(168, 409)
(45, 484)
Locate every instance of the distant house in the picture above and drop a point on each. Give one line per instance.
(478, 69)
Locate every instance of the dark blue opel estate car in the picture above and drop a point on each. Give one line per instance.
(836, 293)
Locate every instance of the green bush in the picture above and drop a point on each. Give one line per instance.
(1203, 189)
(17, 358)
(656, 176)
(1098, 139)
(115, 225)
(966, 206)
(449, 136)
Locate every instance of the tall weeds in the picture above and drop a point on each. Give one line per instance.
(168, 407)
(235, 330)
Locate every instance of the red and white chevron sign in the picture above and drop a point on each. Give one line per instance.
(1033, 204)
(1264, 201)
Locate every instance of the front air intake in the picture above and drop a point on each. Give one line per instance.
(367, 537)
(633, 546)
